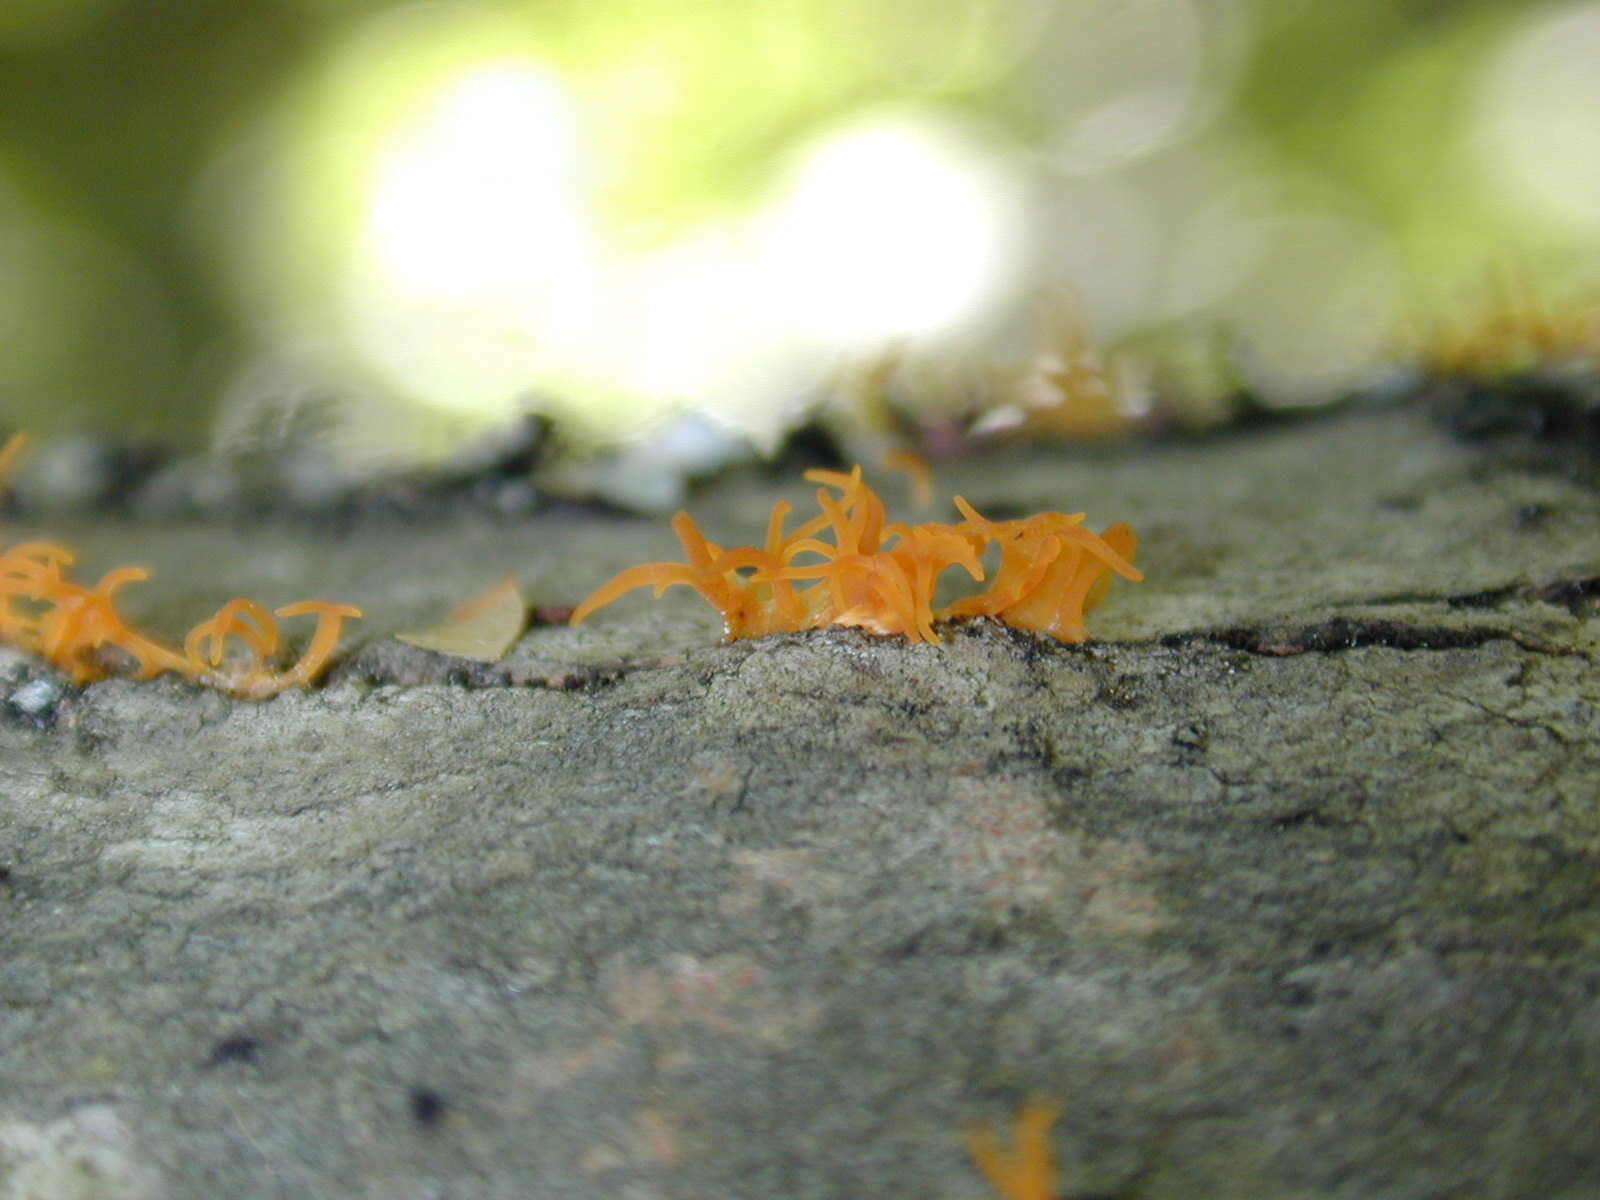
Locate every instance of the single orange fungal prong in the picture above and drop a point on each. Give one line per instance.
(1026, 1170)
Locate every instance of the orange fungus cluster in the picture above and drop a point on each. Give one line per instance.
(78, 628)
(846, 566)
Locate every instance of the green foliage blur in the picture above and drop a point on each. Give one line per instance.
(121, 123)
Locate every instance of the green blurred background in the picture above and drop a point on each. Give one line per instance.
(418, 219)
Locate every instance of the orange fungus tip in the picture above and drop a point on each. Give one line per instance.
(1027, 1169)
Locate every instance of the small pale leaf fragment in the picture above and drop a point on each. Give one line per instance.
(483, 628)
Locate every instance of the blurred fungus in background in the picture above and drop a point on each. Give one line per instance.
(397, 224)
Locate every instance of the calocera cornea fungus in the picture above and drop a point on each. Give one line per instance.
(847, 566)
(79, 629)
(1027, 1169)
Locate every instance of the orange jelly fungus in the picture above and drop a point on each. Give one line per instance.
(845, 566)
(78, 628)
(1027, 1171)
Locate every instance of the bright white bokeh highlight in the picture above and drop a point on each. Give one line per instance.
(475, 258)
(479, 277)
(891, 228)
(480, 193)
(1538, 132)
(464, 227)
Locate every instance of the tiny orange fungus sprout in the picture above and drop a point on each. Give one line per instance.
(1027, 1171)
(847, 566)
(77, 628)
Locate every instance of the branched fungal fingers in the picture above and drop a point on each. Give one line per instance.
(250, 623)
(330, 622)
(44, 611)
(883, 577)
(683, 577)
